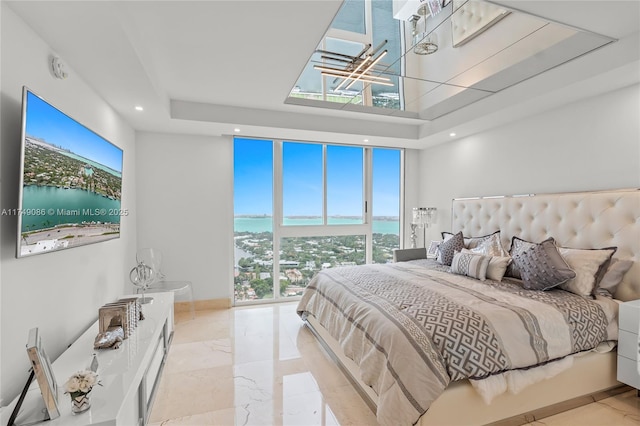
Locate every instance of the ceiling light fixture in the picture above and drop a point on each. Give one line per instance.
(361, 67)
(370, 79)
(139, 108)
(452, 134)
(236, 130)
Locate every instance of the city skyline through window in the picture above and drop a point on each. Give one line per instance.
(302, 207)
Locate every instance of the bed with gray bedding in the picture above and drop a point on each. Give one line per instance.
(413, 328)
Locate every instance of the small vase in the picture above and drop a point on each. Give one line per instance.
(80, 403)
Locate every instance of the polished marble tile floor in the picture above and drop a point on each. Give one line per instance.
(260, 365)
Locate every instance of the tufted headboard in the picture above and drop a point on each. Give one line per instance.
(471, 18)
(578, 220)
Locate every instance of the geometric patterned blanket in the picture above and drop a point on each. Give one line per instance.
(414, 329)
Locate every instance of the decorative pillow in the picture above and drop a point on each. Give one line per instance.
(613, 277)
(542, 267)
(473, 242)
(446, 236)
(585, 263)
(517, 246)
(497, 265)
(448, 247)
(471, 265)
(491, 246)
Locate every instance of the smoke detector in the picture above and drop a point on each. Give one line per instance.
(59, 68)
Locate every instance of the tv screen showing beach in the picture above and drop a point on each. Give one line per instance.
(71, 182)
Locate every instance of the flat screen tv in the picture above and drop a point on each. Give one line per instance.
(71, 182)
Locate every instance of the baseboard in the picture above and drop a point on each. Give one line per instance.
(202, 305)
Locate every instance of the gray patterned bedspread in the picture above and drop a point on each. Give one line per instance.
(414, 329)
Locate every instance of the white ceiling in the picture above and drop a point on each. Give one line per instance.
(206, 67)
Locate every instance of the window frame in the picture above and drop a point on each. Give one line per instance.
(280, 230)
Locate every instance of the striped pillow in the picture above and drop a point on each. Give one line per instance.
(471, 265)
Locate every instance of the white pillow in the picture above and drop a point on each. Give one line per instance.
(585, 263)
(613, 276)
(497, 265)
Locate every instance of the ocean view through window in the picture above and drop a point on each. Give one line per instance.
(302, 207)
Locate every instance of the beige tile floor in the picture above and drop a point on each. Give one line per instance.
(260, 365)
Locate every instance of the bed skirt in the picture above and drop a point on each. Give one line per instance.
(591, 378)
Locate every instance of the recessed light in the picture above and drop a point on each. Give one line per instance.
(236, 130)
(366, 140)
(139, 108)
(452, 134)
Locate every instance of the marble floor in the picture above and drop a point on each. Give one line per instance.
(260, 365)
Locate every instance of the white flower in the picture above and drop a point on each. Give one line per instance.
(81, 382)
(72, 385)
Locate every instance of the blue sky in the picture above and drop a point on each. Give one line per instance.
(46, 122)
(252, 176)
(302, 179)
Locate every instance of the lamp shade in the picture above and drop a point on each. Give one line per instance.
(424, 216)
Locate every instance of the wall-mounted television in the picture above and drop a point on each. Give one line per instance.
(71, 182)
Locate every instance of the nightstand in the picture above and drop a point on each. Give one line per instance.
(628, 344)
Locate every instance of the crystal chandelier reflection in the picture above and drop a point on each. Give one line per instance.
(422, 218)
(423, 42)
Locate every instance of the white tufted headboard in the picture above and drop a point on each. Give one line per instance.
(578, 220)
(471, 18)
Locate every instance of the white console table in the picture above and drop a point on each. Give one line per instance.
(128, 375)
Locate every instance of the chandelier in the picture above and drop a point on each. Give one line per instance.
(424, 43)
(348, 70)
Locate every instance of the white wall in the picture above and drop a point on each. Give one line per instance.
(411, 193)
(185, 202)
(589, 145)
(58, 292)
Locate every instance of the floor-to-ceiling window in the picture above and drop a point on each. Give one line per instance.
(253, 219)
(301, 207)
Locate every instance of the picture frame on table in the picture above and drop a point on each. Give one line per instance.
(43, 372)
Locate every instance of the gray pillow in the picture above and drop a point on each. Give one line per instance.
(517, 246)
(542, 267)
(448, 248)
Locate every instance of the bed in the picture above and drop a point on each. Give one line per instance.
(419, 341)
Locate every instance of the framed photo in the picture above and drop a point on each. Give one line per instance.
(43, 373)
(432, 251)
